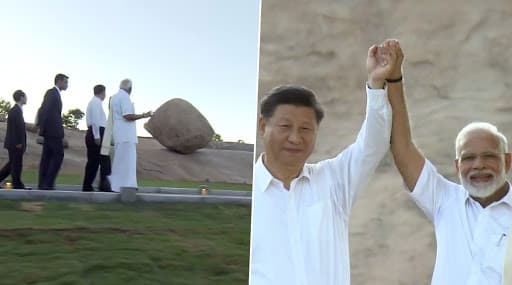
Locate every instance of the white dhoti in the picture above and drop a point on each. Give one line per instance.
(124, 166)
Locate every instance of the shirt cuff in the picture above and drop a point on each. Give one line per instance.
(377, 97)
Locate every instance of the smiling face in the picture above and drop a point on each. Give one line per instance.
(482, 165)
(289, 136)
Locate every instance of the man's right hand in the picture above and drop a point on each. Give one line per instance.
(148, 114)
(97, 141)
(394, 46)
(19, 146)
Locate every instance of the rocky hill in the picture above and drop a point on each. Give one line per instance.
(220, 162)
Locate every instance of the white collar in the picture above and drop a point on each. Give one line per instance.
(265, 177)
(122, 91)
(97, 98)
(506, 199)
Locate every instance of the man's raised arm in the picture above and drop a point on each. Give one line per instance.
(408, 159)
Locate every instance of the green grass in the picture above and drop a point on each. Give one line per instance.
(77, 243)
(30, 177)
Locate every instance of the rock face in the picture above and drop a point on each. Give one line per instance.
(180, 127)
(153, 161)
(457, 69)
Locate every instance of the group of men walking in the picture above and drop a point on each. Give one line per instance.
(118, 129)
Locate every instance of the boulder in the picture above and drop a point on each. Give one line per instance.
(180, 127)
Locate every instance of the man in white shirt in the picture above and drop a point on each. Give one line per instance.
(124, 134)
(301, 211)
(472, 220)
(96, 120)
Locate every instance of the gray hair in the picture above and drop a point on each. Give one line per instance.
(125, 84)
(483, 126)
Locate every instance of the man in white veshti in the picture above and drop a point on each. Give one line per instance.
(471, 221)
(301, 211)
(124, 134)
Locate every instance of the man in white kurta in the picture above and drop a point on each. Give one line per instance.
(300, 225)
(471, 240)
(472, 221)
(124, 134)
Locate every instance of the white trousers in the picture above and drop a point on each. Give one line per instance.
(124, 166)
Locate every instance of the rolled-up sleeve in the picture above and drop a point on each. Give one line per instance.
(126, 106)
(431, 190)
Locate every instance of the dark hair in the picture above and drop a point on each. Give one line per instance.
(59, 77)
(18, 94)
(290, 95)
(99, 89)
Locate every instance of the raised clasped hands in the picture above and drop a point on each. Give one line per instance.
(394, 46)
(380, 64)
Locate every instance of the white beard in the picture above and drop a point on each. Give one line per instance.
(484, 189)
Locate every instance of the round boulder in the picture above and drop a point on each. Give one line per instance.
(180, 127)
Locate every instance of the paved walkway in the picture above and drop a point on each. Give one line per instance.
(144, 194)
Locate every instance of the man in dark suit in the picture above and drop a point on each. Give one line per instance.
(49, 121)
(15, 141)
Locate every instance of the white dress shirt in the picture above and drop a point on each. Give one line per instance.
(95, 116)
(300, 236)
(122, 129)
(470, 239)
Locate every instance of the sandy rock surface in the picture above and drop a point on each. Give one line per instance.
(228, 162)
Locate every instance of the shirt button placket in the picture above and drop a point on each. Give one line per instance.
(295, 234)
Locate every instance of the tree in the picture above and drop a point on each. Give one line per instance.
(5, 106)
(71, 118)
(217, 138)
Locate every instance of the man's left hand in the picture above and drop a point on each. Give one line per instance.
(380, 63)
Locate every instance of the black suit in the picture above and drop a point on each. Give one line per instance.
(15, 136)
(49, 120)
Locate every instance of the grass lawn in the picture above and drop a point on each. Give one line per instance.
(30, 177)
(78, 243)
